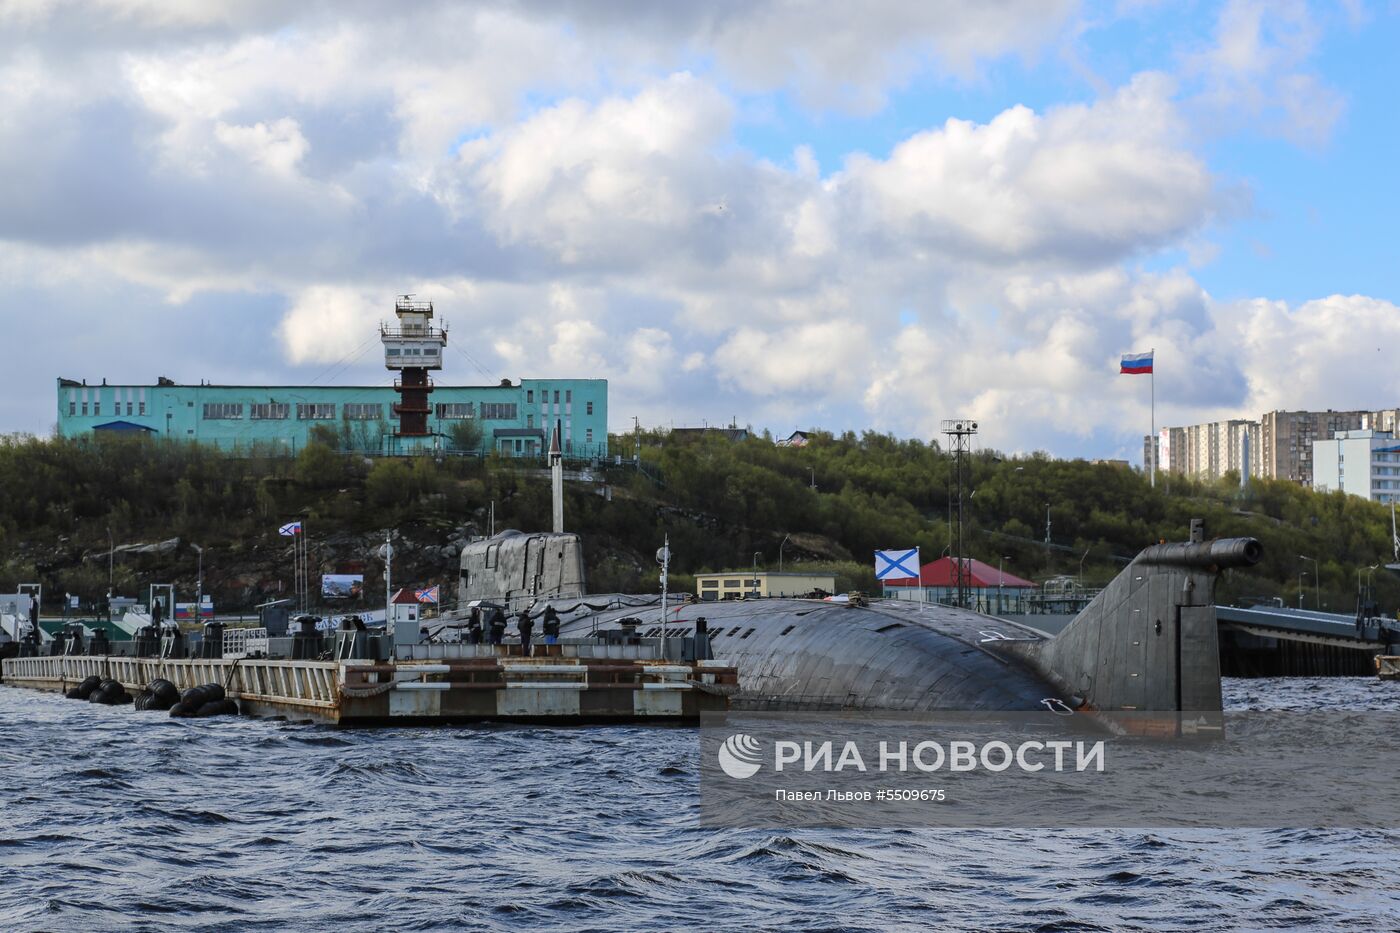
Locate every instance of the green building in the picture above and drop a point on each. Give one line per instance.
(511, 418)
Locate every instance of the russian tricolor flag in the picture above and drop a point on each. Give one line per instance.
(1136, 363)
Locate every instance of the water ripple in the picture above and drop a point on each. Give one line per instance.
(119, 820)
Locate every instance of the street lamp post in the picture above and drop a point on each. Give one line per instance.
(780, 552)
(111, 555)
(199, 585)
(1363, 595)
(756, 555)
(1301, 575)
(1001, 579)
(1317, 583)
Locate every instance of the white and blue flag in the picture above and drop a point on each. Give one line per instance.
(289, 530)
(897, 565)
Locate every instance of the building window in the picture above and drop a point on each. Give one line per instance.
(457, 411)
(499, 411)
(569, 396)
(556, 396)
(590, 408)
(72, 408)
(588, 435)
(363, 411)
(223, 411)
(97, 408)
(269, 411)
(530, 396)
(315, 411)
(529, 421)
(128, 408)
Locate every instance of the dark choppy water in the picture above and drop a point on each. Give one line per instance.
(112, 819)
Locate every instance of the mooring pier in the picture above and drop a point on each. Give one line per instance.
(463, 683)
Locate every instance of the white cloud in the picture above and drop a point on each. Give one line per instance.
(819, 359)
(1258, 71)
(1080, 183)
(327, 323)
(276, 147)
(1333, 352)
(586, 181)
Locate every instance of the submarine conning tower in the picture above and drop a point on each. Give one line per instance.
(1148, 641)
(515, 570)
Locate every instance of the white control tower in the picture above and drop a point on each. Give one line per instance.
(412, 348)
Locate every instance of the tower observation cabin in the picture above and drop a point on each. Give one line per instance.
(412, 347)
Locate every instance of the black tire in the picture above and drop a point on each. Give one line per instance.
(180, 711)
(122, 699)
(143, 700)
(74, 694)
(165, 691)
(194, 698)
(212, 708)
(214, 692)
(88, 685)
(230, 707)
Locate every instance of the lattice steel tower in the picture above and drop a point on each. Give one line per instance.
(412, 348)
(959, 431)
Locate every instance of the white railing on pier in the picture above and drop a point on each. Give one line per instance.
(281, 682)
(245, 642)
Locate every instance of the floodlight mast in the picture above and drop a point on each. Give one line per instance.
(959, 432)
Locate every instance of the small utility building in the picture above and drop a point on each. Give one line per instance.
(733, 584)
(990, 589)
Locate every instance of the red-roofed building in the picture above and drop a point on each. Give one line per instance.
(990, 589)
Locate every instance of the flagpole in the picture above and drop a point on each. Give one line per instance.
(1153, 390)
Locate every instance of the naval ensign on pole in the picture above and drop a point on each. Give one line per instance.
(1137, 364)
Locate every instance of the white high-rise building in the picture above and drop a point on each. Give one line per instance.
(1362, 463)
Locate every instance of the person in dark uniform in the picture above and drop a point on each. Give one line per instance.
(157, 612)
(551, 626)
(498, 625)
(526, 625)
(474, 626)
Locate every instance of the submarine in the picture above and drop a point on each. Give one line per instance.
(1147, 642)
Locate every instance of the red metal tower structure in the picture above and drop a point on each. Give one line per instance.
(412, 348)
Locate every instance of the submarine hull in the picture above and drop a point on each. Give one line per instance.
(1147, 642)
(795, 654)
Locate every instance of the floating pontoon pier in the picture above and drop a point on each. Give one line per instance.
(455, 683)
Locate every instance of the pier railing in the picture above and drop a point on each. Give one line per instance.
(297, 683)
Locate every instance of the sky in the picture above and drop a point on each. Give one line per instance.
(794, 215)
